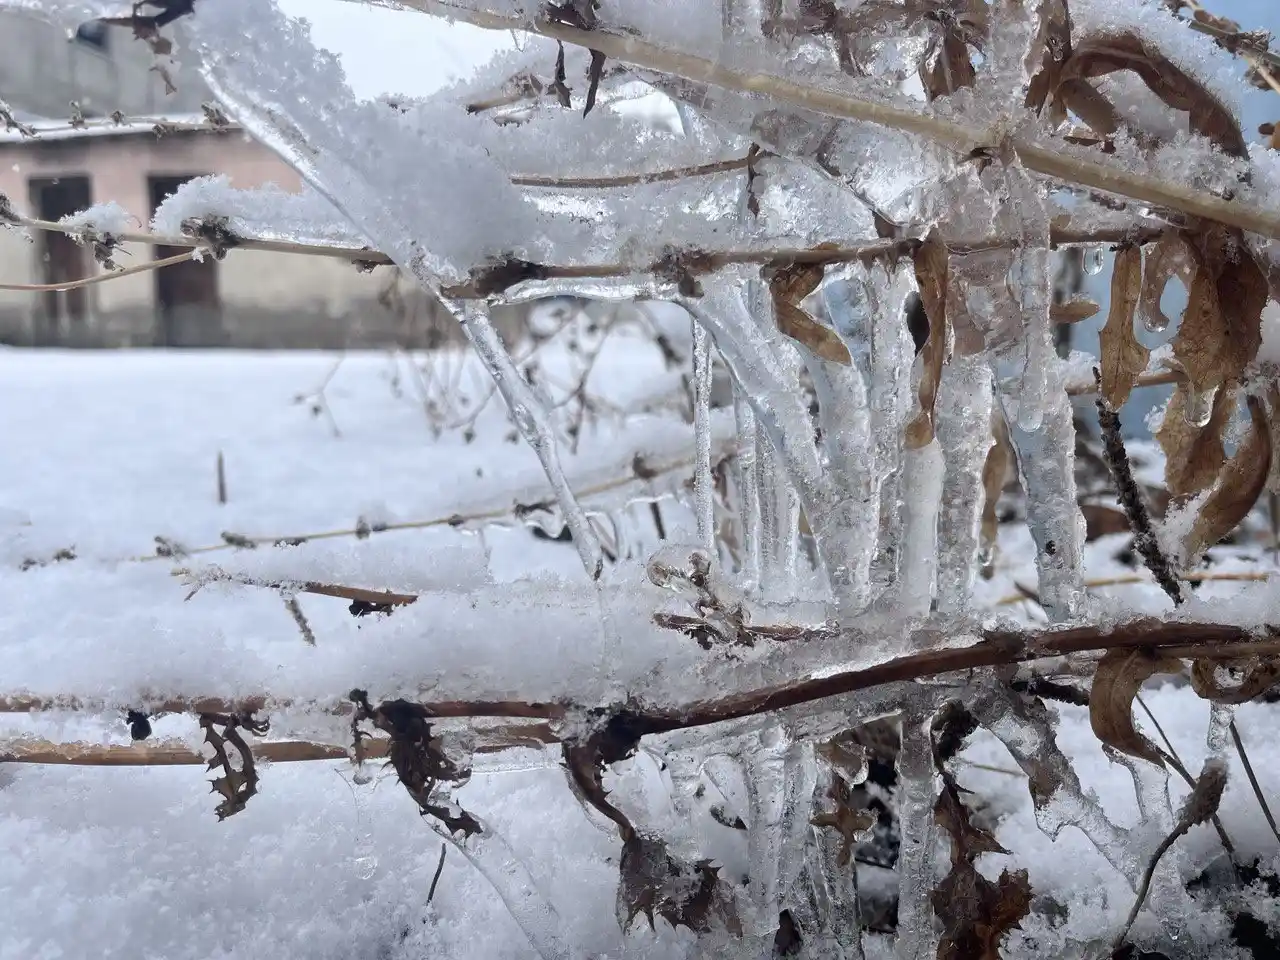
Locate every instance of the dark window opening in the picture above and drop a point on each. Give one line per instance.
(61, 258)
(93, 34)
(188, 310)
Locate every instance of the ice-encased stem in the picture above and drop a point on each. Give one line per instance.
(962, 417)
(916, 794)
(748, 488)
(704, 505)
(536, 916)
(834, 886)
(922, 478)
(532, 420)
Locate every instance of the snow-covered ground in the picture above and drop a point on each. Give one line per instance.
(105, 452)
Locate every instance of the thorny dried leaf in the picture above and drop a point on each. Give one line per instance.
(1259, 677)
(791, 284)
(683, 894)
(1116, 683)
(931, 265)
(239, 784)
(1100, 55)
(1123, 356)
(1239, 485)
(975, 913)
(419, 759)
(1193, 455)
(846, 819)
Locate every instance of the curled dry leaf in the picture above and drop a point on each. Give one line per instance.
(1259, 677)
(1116, 683)
(1221, 327)
(1103, 54)
(238, 783)
(1053, 46)
(931, 263)
(1239, 485)
(1073, 311)
(1167, 258)
(1123, 357)
(951, 69)
(789, 285)
(1193, 455)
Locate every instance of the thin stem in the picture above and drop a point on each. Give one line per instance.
(444, 847)
(1253, 780)
(100, 278)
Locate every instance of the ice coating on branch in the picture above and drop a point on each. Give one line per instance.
(704, 506)
(266, 213)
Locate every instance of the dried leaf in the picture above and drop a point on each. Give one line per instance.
(1116, 683)
(1239, 485)
(1168, 257)
(1083, 99)
(1073, 311)
(1221, 327)
(1053, 44)
(791, 284)
(847, 820)
(952, 68)
(931, 263)
(236, 786)
(1260, 676)
(1101, 521)
(1123, 357)
(683, 894)
(995, 471)
(594, 72)
(1100, 55)
(1193, 455)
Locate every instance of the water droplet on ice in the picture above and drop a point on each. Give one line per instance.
(1153, 320)
(1094, 260)
(1199, 406)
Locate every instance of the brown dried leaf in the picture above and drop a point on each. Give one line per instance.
(845, 819)
(1103, 54)
(1167, 258)
(791, 284)
(594, 72)
(1054, 46)
(1221, 328)
(1083, 99)
(1101, 520)
(683, 894)
(1073, 311)
(995, 470)
(1240, 483)
(977, 913)
(1193, 455)
(1123, 357)
(1116, 683)
(236, 786)
(931, 263)
(951, 68)
(1260, 676)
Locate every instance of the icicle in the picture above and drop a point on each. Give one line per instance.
(748, 489)
(536, 916)
(962, 415)
(1198, 409)
(364, 859)
(531, 420)
(781, 775)
(1218, 737)
(916, 794)
(834, 888)
(922, 477)
(704, 506)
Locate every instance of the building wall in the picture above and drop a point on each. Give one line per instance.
(267, 299)
(42, 71)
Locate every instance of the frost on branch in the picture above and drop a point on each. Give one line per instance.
(862, 210)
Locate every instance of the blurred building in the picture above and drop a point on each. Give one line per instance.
(249, 299)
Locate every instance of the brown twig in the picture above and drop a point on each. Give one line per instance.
(100, 278)
(439, 870)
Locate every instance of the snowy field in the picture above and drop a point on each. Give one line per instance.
(106, 452)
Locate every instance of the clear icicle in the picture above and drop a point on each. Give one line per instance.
(1218, 737)
(781, 778)
(704, 505)
(748, 488)
(922, 480)
(533, 422)
(834, 888)
(963, 416)
(1197, 411)
(503, 868)
(916, 794)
